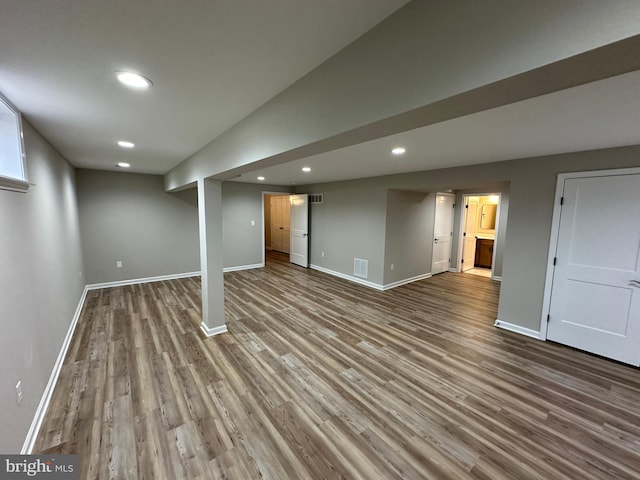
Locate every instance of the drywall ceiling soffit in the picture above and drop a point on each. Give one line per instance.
(596, 115)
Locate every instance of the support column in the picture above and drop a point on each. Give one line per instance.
(211, 256)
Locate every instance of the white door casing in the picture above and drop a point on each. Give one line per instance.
(594, 295)
(442, 233)
(299, 230)
(469, 234)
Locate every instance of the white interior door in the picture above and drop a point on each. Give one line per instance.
(299, 230)
(469, 234)
(442, 233)
(595, 298)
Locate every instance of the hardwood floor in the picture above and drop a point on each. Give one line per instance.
(322, 378)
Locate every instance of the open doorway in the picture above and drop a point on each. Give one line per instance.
(276, 223)
(479, 226)
(285, 220)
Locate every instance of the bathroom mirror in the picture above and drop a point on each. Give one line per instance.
(488, 219)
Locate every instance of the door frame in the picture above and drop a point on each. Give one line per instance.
(458, 267)
(555, 232)
(264, 238)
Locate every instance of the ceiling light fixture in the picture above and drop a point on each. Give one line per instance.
(125, 144)
(134, 80)
(261, 179)
(398, 150)
(123, 165)
(306, 169)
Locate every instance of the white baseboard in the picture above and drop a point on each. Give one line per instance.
(210, 332)
(134, 281)
(518, 329)
(361, 281)
(242, 267)
(38, 418)
(454, 270)
(389, 286)
(496, 278)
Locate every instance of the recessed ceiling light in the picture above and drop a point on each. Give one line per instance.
(261, 179)
(125, 144)
(134, 80)
(306, 169)
(398, 150)
(123, 165)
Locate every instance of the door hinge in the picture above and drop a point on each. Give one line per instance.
(466, 206)
(561, 200)
(548, 318)
(462, 261)
(555, 260)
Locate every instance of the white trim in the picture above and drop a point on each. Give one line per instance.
(555, 231)
(242, 267)
(454, 270)
(13, 184)
(210, 332)
(496, 278)
(134, 281)
(518, 329)
(38, 418)
(389, 286)
(347, 277)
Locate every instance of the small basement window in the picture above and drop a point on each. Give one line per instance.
(13, 175)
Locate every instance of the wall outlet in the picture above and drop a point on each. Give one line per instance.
(392, 266)
(322, 254)
(118, 263)
(19, 392)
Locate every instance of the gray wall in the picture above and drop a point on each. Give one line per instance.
(349, 224)
(409, 233)
(353, 218)
(243, 243)
(129, 217)
(40, 282)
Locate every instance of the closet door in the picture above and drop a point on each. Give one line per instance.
(276, 224)
(280, 224)
(595, 298)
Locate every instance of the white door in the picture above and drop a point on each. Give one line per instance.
(299, 230)
(442, 233)
(595, 297)
(469, 234)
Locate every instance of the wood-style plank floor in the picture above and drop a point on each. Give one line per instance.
(322, 378)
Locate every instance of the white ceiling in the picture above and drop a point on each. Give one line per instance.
(596, 115)
(212, 63)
